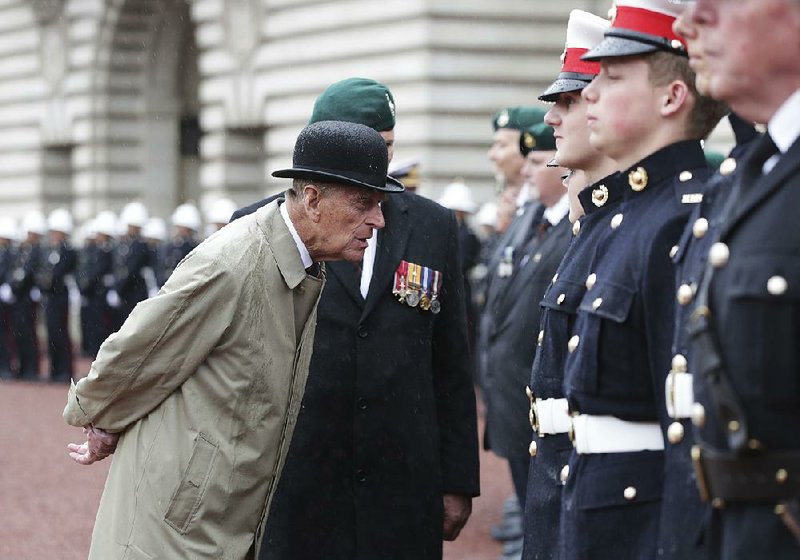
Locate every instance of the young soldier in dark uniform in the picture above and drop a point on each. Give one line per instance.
(58, 261)
(7, 235)
(383, 462)
(644, 113)
(130, 258)
(95, 276)
(549, 450)
(27, 295)
(186, 221)
(745, 327)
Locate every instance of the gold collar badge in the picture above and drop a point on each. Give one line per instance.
(600, 196)
(637, 179)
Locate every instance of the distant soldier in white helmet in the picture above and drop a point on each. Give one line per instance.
(130, 258)
(58, 263)
(218, 214)
(27, 294)
(8, 233)
(186, 223)
(155, 235)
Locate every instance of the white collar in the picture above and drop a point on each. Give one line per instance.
(555, 213)
(784, 126)
(304, 254)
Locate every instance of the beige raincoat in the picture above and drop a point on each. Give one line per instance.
(204, 381)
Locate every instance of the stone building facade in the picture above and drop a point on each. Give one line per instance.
(107, 101)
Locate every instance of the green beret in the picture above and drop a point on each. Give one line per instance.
(714, 159)
(518, 118)
(357, 100)
(538, 137)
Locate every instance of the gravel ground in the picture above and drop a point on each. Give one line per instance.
(48, 503)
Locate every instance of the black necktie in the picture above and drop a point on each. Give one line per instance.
(762, 150)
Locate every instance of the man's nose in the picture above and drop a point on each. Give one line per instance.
(375, 219)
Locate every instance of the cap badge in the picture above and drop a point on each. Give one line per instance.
(637, 179)
(600, 196)
(502, 119)
(530, 141)
(391, 104)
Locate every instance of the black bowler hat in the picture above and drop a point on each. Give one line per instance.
(341, 152)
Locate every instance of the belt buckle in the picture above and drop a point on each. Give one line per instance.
(533, 415)
(700, 473)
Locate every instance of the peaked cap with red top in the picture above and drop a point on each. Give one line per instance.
(640, 27)
(584, 31)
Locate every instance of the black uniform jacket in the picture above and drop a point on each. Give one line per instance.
(388, 423)
(754, 302)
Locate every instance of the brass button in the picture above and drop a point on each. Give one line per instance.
(572, 345)
(680, 364)
(637, 179)
(561, 299)
(673, 251)
(727, 167)
(576, 227)
(540, 338)
(597, 303)
(685, 176)
(700, 228)
(698, 415)
(718, 255)
(532, 449)
(733, 426)
(781, 476)
(529, 392)
(537, 257)
(629, 493)
(777, 285)
(564, 474)
(685, 294)
(675, 433)
(590, 281)
(616, 221)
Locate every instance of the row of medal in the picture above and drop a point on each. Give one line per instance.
(418, 286)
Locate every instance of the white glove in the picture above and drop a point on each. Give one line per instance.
(112, 299)
(6, 295)
(36, 295)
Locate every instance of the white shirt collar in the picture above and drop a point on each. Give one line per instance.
(784, 126)
(304, 254)
(555, 213)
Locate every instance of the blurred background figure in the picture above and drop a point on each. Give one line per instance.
(8, 233)
(55, 272)
(186, 224)
(27, 295)
(407, 172)
(87, 244)
(95, 277)
(130, 257)
(218, 214)
(155, 235)
(457, 197)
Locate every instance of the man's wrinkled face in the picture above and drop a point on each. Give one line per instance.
(547, 180)
(623, 106)
(505, 156)
(347, 217)
(739, 47)
(567, 116)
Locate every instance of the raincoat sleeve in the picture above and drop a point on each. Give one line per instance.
(161, 344)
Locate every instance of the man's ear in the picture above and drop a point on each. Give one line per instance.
(677, 96)
(312, 196)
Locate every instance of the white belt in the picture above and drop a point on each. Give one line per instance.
(680, 395)
(607, 434)
(552, 416)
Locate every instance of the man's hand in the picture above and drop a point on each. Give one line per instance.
(99, 445)
(457, 508)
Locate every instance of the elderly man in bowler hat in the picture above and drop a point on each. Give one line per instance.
(384, 461)
(202, 385)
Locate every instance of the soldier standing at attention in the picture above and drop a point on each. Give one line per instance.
(27, 295)
(550, 447)
(8, 232)
(644, 113)
(744, 328)
(130, 258)
(186, 221)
